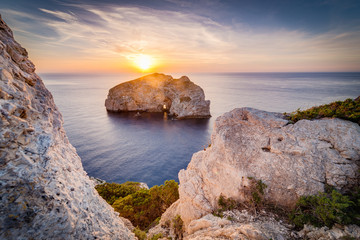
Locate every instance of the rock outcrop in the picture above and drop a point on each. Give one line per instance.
(157, 93)
(45, 193)
(336, 232)
(234, 225)
(292, 159)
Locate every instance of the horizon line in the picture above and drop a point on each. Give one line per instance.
(225, 72)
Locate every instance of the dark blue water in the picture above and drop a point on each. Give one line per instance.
(152, 149)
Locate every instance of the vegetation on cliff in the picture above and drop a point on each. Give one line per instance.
(254, 199)
(327, 208)
(348, 110)
(323, 209)
(113, 191)
(143, 207)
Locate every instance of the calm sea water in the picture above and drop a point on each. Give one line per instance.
(152, 149)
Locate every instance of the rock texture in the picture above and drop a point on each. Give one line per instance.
(336, 232)
(242, 226)
(234, 225)
(158, 93)
(45, 193)
(292, 159)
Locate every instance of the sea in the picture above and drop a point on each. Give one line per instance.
(119, 147)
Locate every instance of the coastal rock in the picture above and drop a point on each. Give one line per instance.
(242, 226)
(291, 159)
(234, 225)
(324, 233)
(157, 93)
(45, 193)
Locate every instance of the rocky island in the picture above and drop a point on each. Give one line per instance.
(158, 93)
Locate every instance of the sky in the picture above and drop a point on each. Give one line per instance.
(187, 36)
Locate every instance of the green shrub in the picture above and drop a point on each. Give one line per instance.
(154, 223)
(143, 207)
(225, 204)
(178, 227)
(113, 191)
(141, 235)
(326, 209)
(256, 192)
(254, 195)
(156, 236)
(348, 110)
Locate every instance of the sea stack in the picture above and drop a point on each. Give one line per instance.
(45, 193)
(158, 93)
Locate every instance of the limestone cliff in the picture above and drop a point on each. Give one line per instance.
(45, 193)
(158, 92)
(292, 159)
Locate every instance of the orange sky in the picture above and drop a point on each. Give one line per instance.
(185, 42)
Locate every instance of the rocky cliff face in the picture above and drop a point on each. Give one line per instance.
(45, 193)
(292, 159)
(158, 93)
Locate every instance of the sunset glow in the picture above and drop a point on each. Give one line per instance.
(213, 35)
(143, 62)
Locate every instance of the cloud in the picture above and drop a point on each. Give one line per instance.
(187, 41)
(131, 30)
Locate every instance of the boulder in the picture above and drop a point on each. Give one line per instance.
(291, 159)
(158, 93)
(45, 193)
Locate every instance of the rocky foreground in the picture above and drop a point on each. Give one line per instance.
(291, 159)
(158, 93)
(45, 193)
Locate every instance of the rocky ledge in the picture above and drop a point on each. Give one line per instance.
(158, 93)
(291, 159)
(45, 193)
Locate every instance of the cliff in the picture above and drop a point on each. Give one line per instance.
(45, 193)
(157, 93)
(291, 159)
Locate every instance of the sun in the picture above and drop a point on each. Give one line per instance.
(144, 62)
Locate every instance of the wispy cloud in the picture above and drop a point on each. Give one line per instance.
(187, 41)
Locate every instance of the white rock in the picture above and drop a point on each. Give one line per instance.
(324, 233)
(241, 227)
(45, 193)
(292, 159)
(157, 93)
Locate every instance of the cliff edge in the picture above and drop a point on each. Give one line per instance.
(157, 93)
(45, 193)
(291, 159)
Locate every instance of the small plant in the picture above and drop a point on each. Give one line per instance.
(154, 223)
(256, 192)
(141, 235)
(225, 204)
(348, 110)
(254, 198)
(230, 218)
(156, 236)
(178, 227)
(326, 209)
